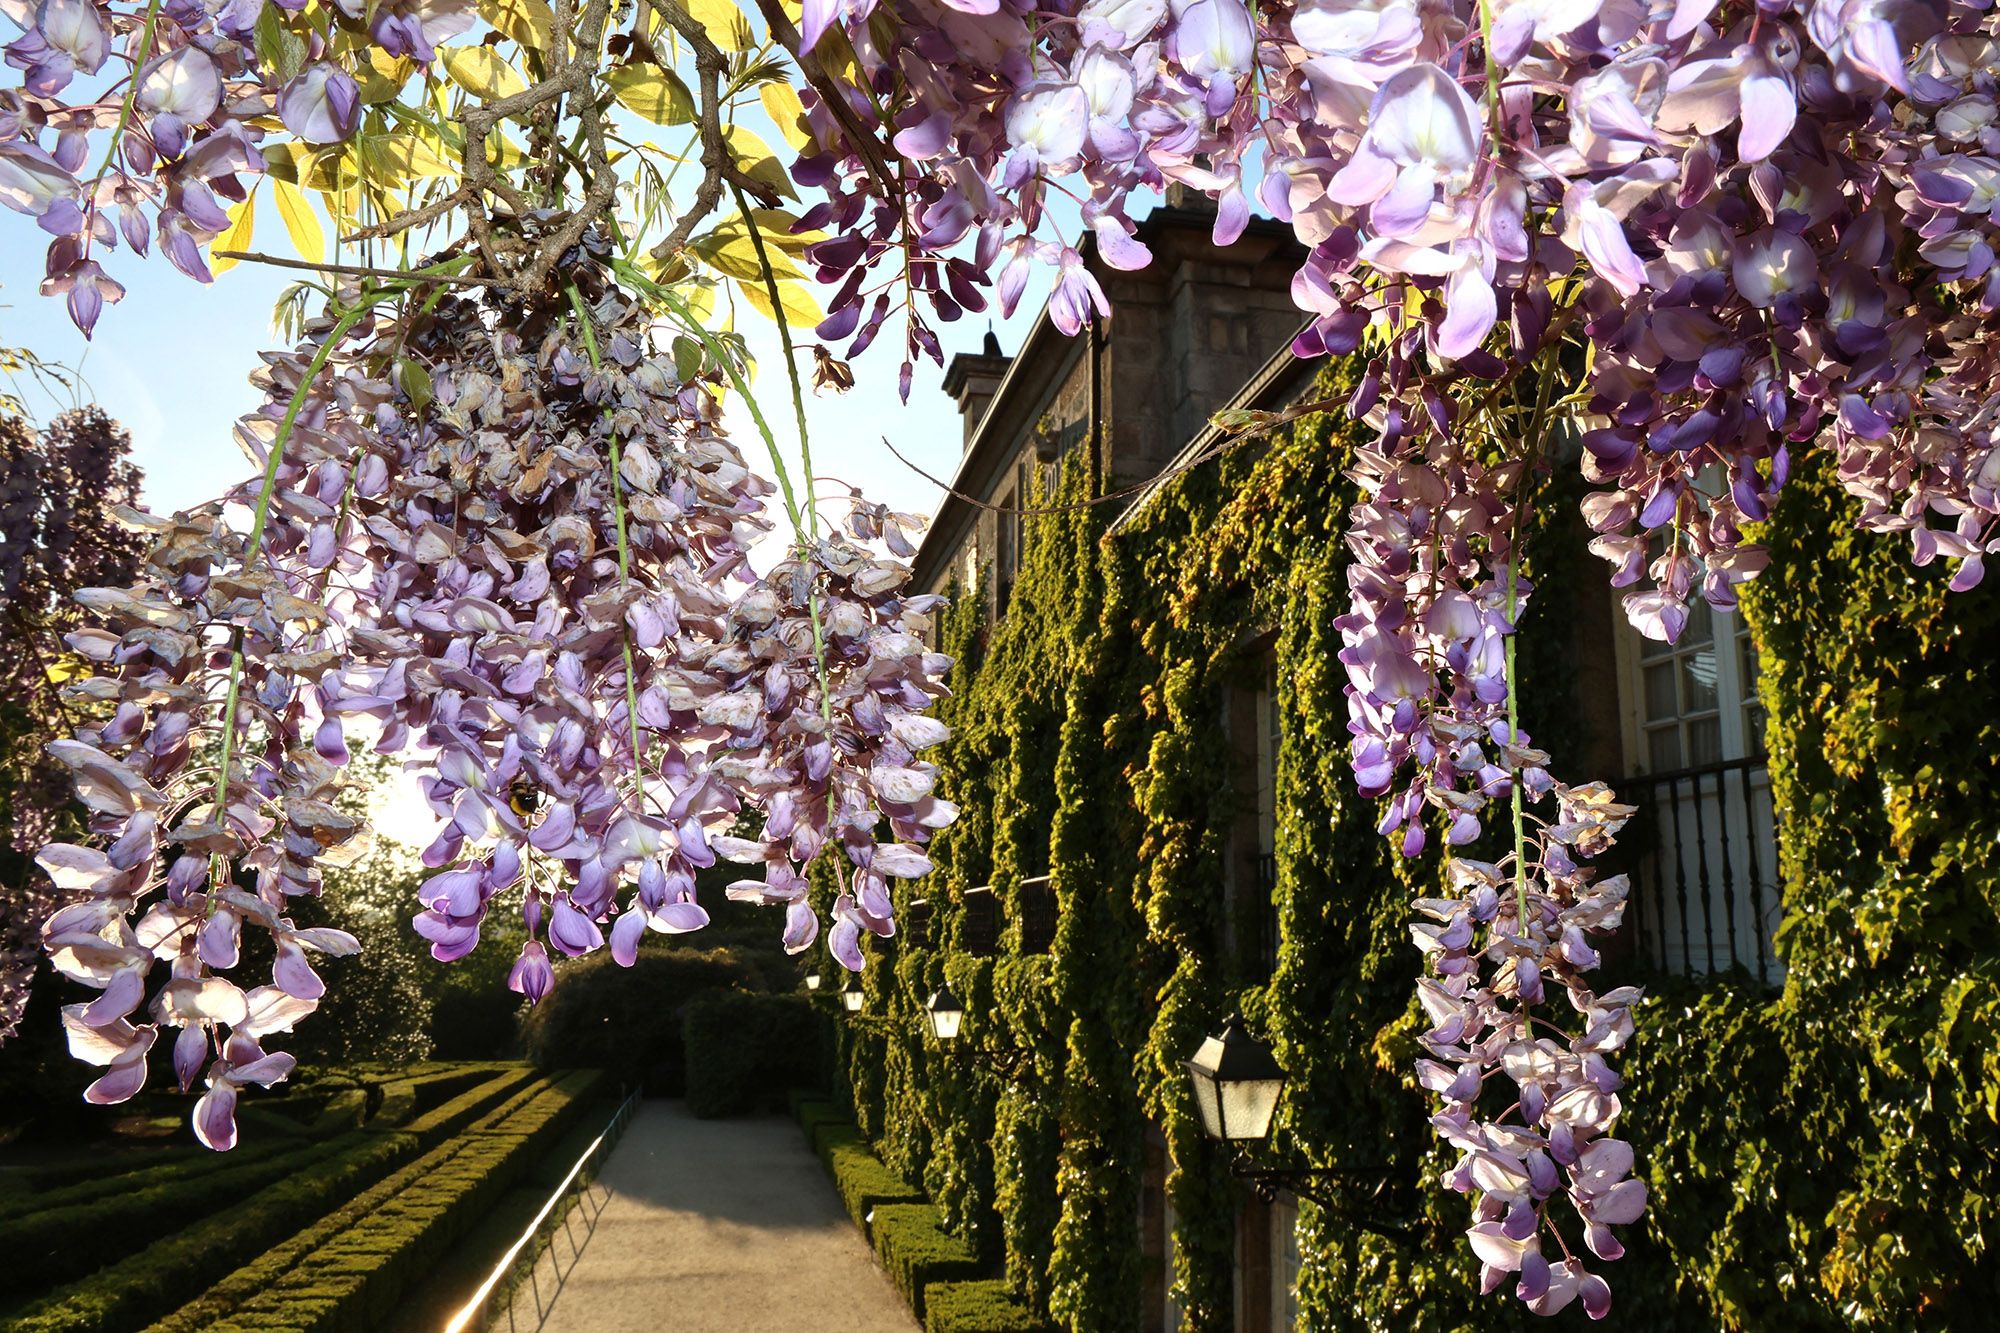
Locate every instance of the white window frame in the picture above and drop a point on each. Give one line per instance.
(1695, 941)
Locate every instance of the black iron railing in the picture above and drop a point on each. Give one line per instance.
(1703, 856)
(1265, 878)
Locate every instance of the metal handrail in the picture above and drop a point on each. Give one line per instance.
(473, 1308)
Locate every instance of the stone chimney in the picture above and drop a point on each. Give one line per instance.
(972, 380)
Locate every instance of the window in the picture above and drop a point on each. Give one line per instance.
(1703, 849)
(1285, 1264)
(1265, 879)
(1007, 557)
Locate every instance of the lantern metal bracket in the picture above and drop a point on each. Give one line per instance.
(1006, 1061)
(1358, 1195)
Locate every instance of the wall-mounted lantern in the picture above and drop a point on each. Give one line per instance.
(945, 1013)
(1237, 1084)
(852, 997)
(946, 1017)
(813, 980)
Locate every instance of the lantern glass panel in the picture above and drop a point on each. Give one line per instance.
(1207, 1100)
(1248, 1105)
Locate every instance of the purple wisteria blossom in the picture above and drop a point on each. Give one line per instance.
(533, 578)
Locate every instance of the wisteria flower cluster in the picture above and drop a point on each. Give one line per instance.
(1768, 222)
(142, 123)
(58, 487)
(513, 539)
(1516, 928)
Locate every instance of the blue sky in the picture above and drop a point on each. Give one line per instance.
(172, 362)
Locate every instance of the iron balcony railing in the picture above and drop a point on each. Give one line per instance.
(1703, 856)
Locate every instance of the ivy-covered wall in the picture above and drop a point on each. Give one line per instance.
(1820, 1158)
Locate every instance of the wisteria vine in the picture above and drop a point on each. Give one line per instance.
(1674, 239)
(1768, 223)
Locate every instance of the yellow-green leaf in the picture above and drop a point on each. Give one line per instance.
(723, 21)
(284, 159)
(529, 22)
(308, 237)
(733, 253)
(801, 308)
(385, 76)
(782, 105)
(480, 71)
(755, 159)
(776, 225)
(405, 154)
(652, 92)
(237, 236)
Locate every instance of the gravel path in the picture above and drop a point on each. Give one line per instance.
(719, 1226)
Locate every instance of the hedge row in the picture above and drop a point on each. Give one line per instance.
(916, 1252)
(60, 1186)
(353, 1278)
(937, 1272)
(858, 1174)
(745, 1050)
(189, 1257)
(986, 1306)
(58, 1244)
(171, 1165)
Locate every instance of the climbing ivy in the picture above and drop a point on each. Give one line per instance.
(1822, 1157)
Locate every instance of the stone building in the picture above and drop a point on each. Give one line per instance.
(1191, 329)
(1205, 329)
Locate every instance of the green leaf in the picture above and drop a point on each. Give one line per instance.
(654, 93)
(279, 50)
(529, 22)
(734, 254)
(782, 105)
(722, 21)
(687, 357)
(802, 308)
(755, 159)
(416, 382)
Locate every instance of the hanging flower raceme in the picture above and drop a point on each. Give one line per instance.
(511, 536)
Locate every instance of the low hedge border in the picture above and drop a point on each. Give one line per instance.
(916, 1251)
(985, 1306)
(174, 1165)
(824, 1119)
(937, 1272)
(355, 1279)
(859, 1177)
(62, 1243)
(191, 1256)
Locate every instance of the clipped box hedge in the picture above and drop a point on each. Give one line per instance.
(59, 1244)
(859, 1176)
(818, 1118)
(268, 1202)
(744, 1051)
(917, 1252)
(350, 1270)
(976, 1307)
